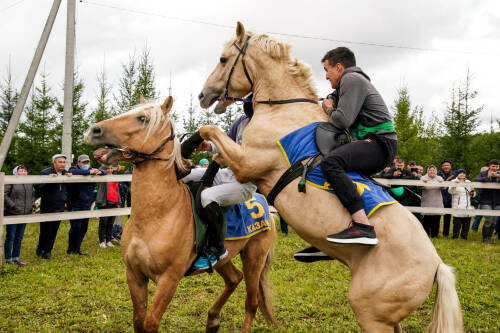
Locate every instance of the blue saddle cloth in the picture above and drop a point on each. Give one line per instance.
(248, 218)
(301, 143)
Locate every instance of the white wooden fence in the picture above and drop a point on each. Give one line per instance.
(32, 218)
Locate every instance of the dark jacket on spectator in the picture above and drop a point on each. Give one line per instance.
(102, 195)
(408, 198)
(54, 196)
(19, 199)
(488, 196)
(446, 177)
(81, 194)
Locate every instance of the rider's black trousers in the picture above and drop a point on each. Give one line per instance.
(366, 157)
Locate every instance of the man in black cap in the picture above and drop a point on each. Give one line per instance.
(80, 199)
(54, 200)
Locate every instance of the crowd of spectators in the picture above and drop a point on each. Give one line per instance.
(440, 196)
(19, 199)
(58, 197)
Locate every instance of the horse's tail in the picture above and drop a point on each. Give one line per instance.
(265, 289)
(447, 315)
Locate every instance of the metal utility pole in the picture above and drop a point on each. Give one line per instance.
(69, 82)
(16, 114)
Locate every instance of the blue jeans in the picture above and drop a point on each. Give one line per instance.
(283, 226)
(13, 238)
(77, 231)
(477, 221)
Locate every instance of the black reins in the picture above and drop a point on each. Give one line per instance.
(133, 154)
(242, 52)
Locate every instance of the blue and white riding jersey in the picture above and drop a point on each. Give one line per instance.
(235, 131)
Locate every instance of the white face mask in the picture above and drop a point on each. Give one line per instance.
(85, 166)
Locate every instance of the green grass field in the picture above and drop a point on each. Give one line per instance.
(89, 294)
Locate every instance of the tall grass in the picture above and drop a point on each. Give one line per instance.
(89, 293)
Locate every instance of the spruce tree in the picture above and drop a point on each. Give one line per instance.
(38, 139)
(145, 82)
(411, 130)
(207, 117)
(460, 121)
(8, 100)
(104, 109)
(190, 120)
(80, 122)
(127, 96)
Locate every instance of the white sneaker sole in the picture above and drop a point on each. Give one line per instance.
(363, 240)
(222, 257)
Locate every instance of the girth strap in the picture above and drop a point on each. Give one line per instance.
(296, 170)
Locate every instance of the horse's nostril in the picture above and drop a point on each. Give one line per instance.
(200, 96)
(96, 131)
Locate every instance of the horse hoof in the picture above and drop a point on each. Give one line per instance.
(213, 329)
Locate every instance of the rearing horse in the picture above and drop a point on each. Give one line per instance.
(389, 280)
(158, 240)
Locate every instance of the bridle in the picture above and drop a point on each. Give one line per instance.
(133, 154)
(241, 53)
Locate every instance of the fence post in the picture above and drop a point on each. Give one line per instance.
(2, 175)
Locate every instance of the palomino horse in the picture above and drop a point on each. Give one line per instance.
(389, 280)
(158, 239)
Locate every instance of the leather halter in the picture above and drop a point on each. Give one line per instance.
(242, 52)
(133, 154)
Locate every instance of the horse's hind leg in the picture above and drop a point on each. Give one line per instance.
(232, 277)
(254, 259)
(138, 286)
(166, 286)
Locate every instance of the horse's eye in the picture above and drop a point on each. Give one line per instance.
(223, 60)
(142, 119)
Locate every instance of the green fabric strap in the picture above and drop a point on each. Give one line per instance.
(361, 131)
(200, 227)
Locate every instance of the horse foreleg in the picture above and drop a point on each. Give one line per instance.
(232, 277)
(138, 287)
(245, 169)
(165, 289)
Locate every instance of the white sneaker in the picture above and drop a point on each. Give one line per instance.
(109, 244)
(102, 245)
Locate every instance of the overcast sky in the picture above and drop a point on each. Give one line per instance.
(466, 33)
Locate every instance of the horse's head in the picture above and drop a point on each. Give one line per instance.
(229, 74)
(145, 132)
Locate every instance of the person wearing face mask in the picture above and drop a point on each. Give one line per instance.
(80, 197)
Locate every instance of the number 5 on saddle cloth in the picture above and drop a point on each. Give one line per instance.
(242, 220)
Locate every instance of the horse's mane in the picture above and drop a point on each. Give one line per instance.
(281, 51)
(158, 121)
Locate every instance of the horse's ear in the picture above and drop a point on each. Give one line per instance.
(142, 99)
(167, 105)
(240, 31)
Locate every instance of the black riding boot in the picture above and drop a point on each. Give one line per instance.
(214, 217)
(209, 175)
(188, 146)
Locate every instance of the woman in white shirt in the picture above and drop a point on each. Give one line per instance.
(461, 200)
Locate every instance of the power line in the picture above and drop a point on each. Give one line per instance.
(10, 6)
(288, 34)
